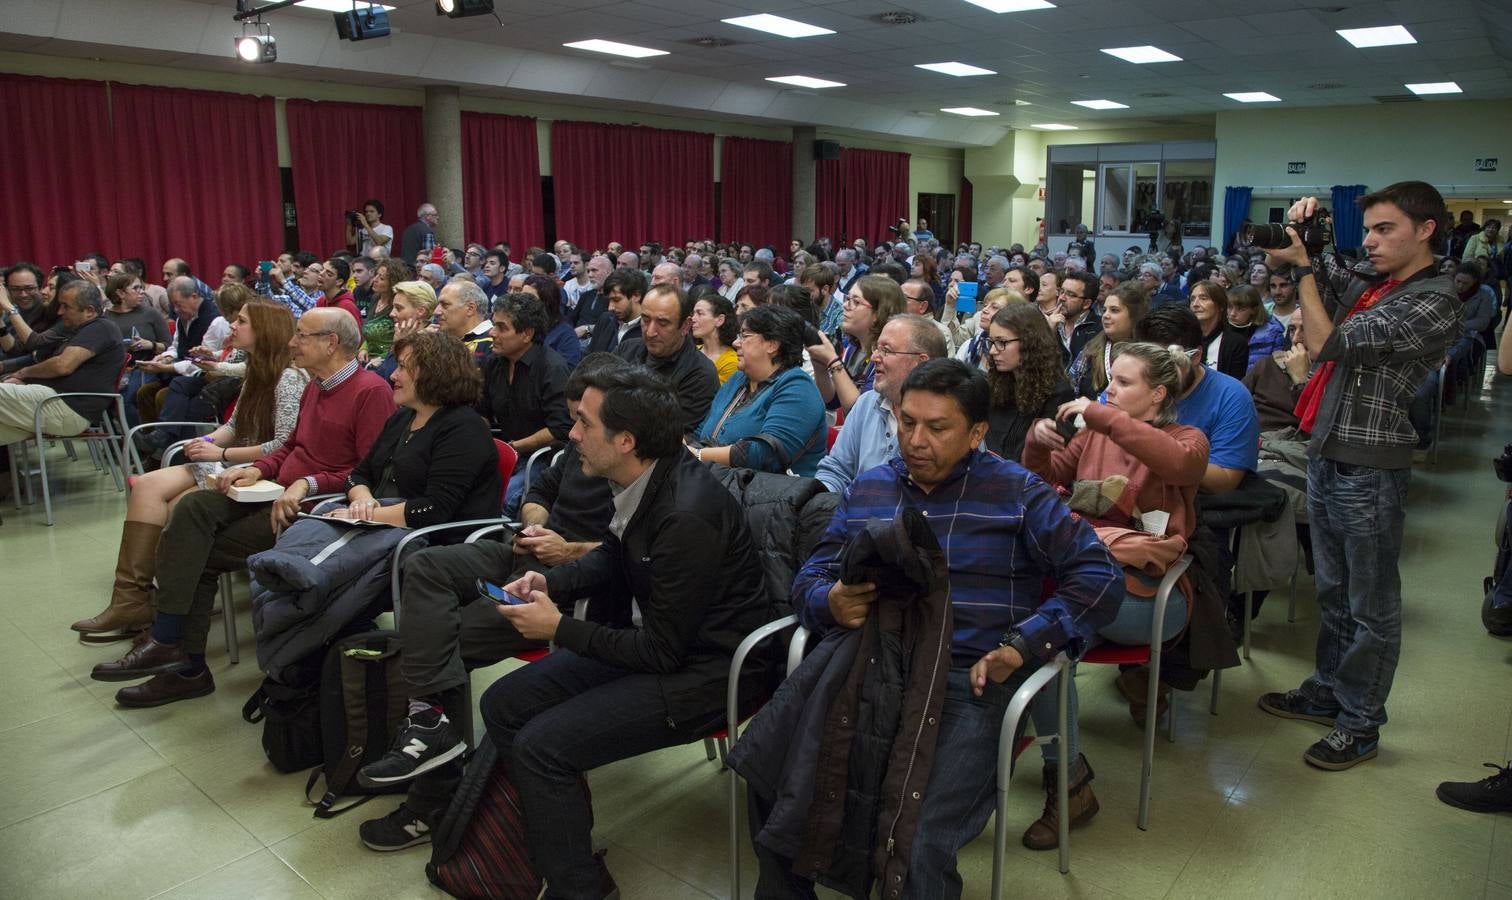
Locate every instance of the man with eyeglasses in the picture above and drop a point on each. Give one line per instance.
(341, 413)
(869, 437)
(1075, 322)
(918, 298)
(23, 282)
(88, 358)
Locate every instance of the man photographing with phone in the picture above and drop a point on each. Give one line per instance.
(1376, 330)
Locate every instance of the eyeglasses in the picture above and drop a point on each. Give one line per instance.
(885, 352)
(28, 289)
(301, 335)
(747, 335)
(1062, 292)
(853, 302)
(999, 344)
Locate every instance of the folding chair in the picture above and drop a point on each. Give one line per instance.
(103, 437)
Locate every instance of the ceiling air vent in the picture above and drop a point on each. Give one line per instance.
(1154, 94)
(711, 42)
(1326, 86)
(898, 17)
(1397, 98)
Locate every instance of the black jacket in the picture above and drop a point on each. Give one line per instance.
(690, 373)
(1233, 352)
(687, 556)
(606, 334)
(591, 306)
(192, 336)
(448, 471)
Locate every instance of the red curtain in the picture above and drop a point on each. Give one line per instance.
(963, 214)
(756, 192)
(345, 153)
(829, 217)
(631, 184)
(208, 191)
(861, 194)
(59, 190)
(501, 181)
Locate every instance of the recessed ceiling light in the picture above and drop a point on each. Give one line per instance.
(1434, 87)
(1100, 104)
(1253, 97)
(777, 25)
(805, 81)
(615, 48)
(958, 69)
(1054, 126)
(1144, 54)
(967, 111)
(1008, 6)
(337, 6)
(1385, 36)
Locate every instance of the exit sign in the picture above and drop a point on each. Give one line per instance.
(1488, 164)
(1296, 168)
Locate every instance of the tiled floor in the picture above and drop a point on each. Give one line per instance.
(97, 801)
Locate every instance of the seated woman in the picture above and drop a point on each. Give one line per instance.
(265, 413)
(1224, 349)
(972, 342)
(560, 334)
(1027, 381)
(842, 377)
(1123, 309)
(750, 296)
(435, 453)
(1131, 458)
(769, 415)
(714, 327)
(142, 327)
(414, 304)
(1248, 317)
(378, 325)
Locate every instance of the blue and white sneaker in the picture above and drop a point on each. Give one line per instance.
(1342, 750)
(1296, 705)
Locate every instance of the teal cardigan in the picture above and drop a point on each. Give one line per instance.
(787, 413)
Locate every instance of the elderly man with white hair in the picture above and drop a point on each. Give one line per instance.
(420, 234)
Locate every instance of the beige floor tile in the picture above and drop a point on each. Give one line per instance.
(330, 858)
(646, 878)
(239, 778)
(60, 759)
(1495, 891)
(260, 875)
(1501, 840)
(134, 840)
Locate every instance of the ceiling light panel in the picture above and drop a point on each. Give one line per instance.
(1053, 126)
(1385, 36)
(339, 6)
(1434, 87)
(958, 69)
(788, 28)
(615, 48)
(1142, 55)
(1253, 97)
(966, 111)
(1008, 6)
(806, 81)
(1100, 104)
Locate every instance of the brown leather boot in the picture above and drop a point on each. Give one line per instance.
(1043, 834)
(1134, 685)
(130, 608)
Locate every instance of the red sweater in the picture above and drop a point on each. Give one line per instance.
(343, 301)
(333, 434)
(1164, 465)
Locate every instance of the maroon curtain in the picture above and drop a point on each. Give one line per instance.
(876, 190)
(208, 193)
(345, 153)
(59, 186)
(963, 214)
(829, 217)
(756, 192)
(501, 181)
(631, 184)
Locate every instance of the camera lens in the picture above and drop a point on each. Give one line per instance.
(1266, 236)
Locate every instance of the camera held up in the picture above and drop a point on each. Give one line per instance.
(1315, 231)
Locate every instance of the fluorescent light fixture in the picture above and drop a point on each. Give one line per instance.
(958, 69)
(805, 81)
(1253, 97)
(1385, 36)
(967, 111)
(339, 6)
(615, 48)
(1100, 104)
(1141, 55)
(1434, 87)
(1054, 126)
(1008, 6)
(789, 28)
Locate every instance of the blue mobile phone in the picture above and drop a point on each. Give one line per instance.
(966, 297)
(498, 595)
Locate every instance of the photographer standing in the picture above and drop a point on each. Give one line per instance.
(365, 230)
(1377, 331)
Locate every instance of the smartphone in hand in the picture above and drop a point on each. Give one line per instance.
(497, 594)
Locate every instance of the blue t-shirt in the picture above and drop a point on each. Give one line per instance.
(1222, 409)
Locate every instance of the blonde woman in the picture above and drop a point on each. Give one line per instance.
(414, 304)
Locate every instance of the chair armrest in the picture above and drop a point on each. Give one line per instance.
(732, 698)
(394, 563)
(1020, 703)
(797, 646)
(489, 529)
(134, 459)
(1163, 596)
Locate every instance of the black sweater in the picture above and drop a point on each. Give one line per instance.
(579, 506)
(1007, 427)
(448, 471)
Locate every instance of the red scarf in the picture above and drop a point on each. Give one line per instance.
(1312, 395)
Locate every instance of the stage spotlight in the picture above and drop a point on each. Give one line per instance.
(257, 46)
(461, 9)
(361, 24)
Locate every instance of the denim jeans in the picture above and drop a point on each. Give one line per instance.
(558, 718)
(961, 796)
(1356, 514)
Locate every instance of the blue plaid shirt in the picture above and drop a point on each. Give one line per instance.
(1003, 532)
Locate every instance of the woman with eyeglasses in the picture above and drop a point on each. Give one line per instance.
(266, 411)
(1123, 309)
(972, 349)
(842, 376)
(769, 415)
(1027, 380)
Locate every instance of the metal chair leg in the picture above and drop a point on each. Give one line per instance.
(1291, 606)
(1062, 769)
(1152, 718)
(228, 617)
(1249, 612)
(709, 751)
(1217, 681)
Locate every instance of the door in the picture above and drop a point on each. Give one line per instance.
(939, 211)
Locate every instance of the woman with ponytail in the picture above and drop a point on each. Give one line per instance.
(265, 413)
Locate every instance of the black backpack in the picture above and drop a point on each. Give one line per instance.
(363, 700)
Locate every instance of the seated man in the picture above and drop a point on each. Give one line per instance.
(665, 348)
(88, 359)
(1276, 381)
(448, 630)
(341, 413)
(333, 292)
(462, 311)
(622, 291)
(607, 693)
(522, 385)
(869, 437)
(996, 523)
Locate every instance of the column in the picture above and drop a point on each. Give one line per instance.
(803, 184)
(443, 161)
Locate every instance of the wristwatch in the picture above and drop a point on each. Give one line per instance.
(1015, 639)
(1300, 272)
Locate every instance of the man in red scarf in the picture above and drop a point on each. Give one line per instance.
(1377, 331)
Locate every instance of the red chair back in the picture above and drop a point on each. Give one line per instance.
(507, 460)
(834, 433)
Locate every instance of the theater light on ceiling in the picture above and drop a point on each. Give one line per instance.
(256, 44)
(461, 9)
(362, 22)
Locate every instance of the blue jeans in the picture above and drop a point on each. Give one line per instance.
(960, 798)
(1356, 514)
